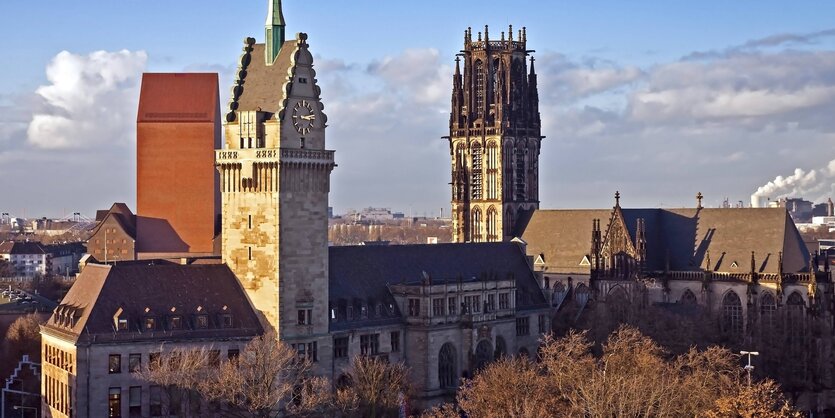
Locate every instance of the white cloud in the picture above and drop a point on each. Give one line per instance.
(91, 99)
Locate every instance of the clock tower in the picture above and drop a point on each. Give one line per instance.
(494, 137)
(275, 178)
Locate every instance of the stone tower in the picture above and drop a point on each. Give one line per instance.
(494, 137)
(275, 178)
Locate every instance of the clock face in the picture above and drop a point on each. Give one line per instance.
(303, 116)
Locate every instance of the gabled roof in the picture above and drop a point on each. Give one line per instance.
(101, 291)
(687, 235)
(21, 247)
(364, 272)
(178, 97)
(122, 215)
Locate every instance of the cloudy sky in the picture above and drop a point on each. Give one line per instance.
(659, 100)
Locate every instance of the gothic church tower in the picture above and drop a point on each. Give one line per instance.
(494, 137)
(275, 178)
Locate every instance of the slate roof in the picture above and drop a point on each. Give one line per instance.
(101, 290)
(563, 238)
(364, 272)
(178, 97)
(123, 216)
(261, 84)
(21, 247)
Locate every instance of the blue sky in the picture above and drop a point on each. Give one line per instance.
(656, 99)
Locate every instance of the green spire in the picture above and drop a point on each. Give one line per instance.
(274, 31)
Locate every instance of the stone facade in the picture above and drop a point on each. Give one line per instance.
(494, 137)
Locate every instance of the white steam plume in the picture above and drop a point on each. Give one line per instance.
(815, 185)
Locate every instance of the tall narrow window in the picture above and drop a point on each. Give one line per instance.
(135, 402)
(114, 403)
(732, 314)
(476, 227)
(492, 219)
(795, 309)
(446, 367)
(479, 88)
(492, 170)
(688, 298)
(520, 183)
(477, 173)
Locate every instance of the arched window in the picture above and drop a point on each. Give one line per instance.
(446, 366)
(795, 311)
(508, 221)
(581, 294)
(476, 227)
(768, 308)
(483, 354)
(479, 88)
(477, 172)
(520, 171)
(732, 314)
(688, 298)
(501, 348)
(492, 219)
(618, 303)
(492, 170)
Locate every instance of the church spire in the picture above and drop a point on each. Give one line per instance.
(274, 28)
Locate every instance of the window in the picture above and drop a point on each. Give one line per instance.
(114, 403)
(135, 401)
(414, 307)
(134, 362)
(768, 307)
(175, 322)
(483, 354)
(451, 308)
(395, 341)
(688, 298)
(543, 324)
(522, 326)
(122, 324)
(305, 316)
(477, 172)
(226, 320)
(154, 360)
(476, 225)
(732, 314)
(150, 323)
(479, 88)
(369, 344)
(438, 307)
(249, 222)
(504, 300)
(491, 302)
(156, 401)
(795, 310)
(214, 358)
(340, 347)
(233, 353)
(472, 304)
(249, 249)
(308, 351)
(302, 80)
(201, 321)
(492, 229)
(114, 364)
(446, 366)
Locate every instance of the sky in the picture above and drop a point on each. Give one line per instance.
(659, 100)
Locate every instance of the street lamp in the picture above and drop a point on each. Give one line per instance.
(22, 408)
(749, 368)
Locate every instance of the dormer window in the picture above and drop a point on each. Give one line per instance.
(122, 324)
(149, 324)
(363, 311)
(120, 320)
(175, 322)
(226, 320)
(201, 321)
(378, 310)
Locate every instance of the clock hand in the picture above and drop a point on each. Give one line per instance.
(308, 117)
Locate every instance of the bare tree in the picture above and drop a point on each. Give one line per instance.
(763, 400)
(374, 388)
(266, 379)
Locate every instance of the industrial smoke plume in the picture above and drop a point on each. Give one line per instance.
(815, 185)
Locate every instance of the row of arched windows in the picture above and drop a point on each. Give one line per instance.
(492, 229)
(484, 354)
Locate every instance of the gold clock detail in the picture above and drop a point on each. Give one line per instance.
(303, 117)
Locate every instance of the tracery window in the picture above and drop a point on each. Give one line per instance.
(501, 348)
(483, 354)
(688, 298)
(618, 302)
(768, 308)
(492, 170)
(479, 88)
(476, 227)
(520, 183)
(492, 219)
(446, 366)
(795, 310)
(732, 314)
(477, 172)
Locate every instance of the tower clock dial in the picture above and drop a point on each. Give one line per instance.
(303, 116)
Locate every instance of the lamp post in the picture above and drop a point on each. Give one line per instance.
(749, 368)
(21, 408)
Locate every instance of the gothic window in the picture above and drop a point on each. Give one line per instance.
(476, 230)
(688, 298)
(581, 294)
(483, 354)
(492, 218)
(492, 170)
(446, 366)
(618, 302)
(501, 348)
(507, 170)
(477, 172)
(519, 186)
(731, 314)
(795, 309)
(508, 221)
(479, 88)
(768, 307)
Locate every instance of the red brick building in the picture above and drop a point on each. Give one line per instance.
(177, 195)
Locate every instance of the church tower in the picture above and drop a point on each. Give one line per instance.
(494, 137)
(275, 178)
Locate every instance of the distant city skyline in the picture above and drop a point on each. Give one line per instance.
(658, 101)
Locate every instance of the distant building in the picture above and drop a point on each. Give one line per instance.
(117, 319)
(824, 209)
(27, 258)
(114, 236)
(177, 197)
(64, 258)
(21, 393)
(800, 210)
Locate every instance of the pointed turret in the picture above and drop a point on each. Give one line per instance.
(533, 94)
(274, 28)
